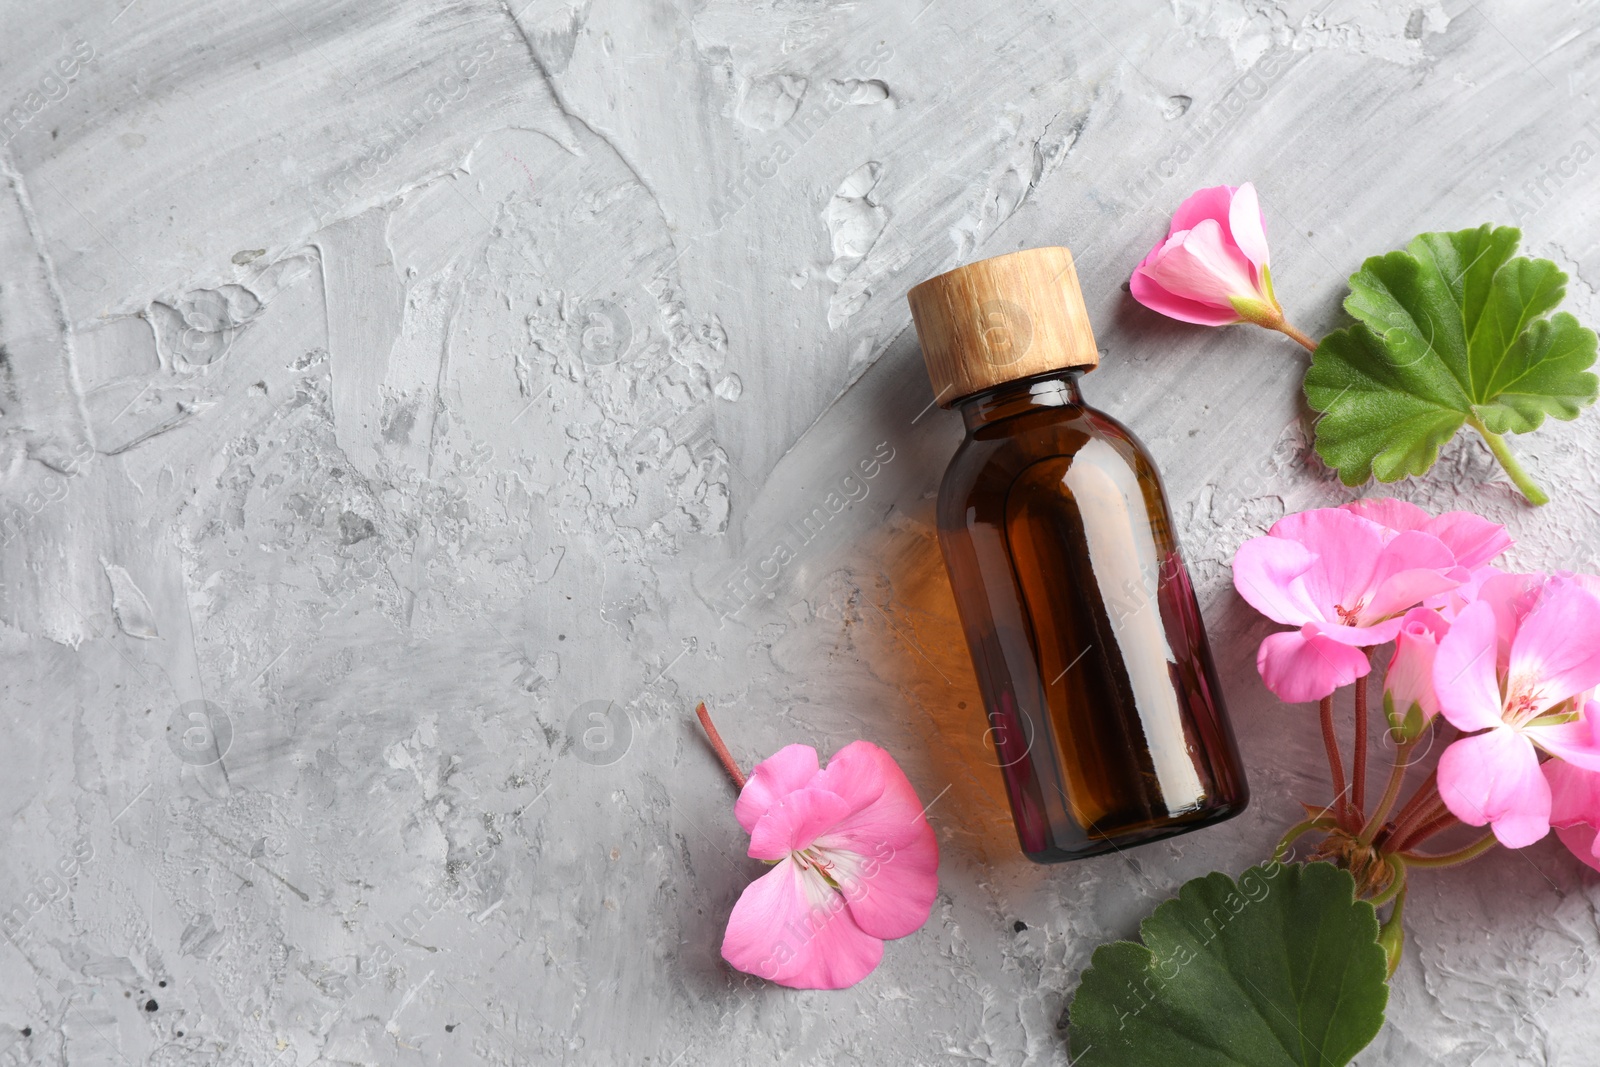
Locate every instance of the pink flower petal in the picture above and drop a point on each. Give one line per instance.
(794, 822)
(1347, 548)
(890, 890)
(1150, 293)
(1576, 743)
(1494, 778)
(861, 771)
(1247, 227)
(1582, 842)
(1588, 581)
(1397, 515)
(1267, 572)
(1474, 539)
(1556, 652)
(884, 809)
(1574, 794)
(1202, 264)
(1379, 633)
(1299, 668)
(1450, 603)
(774, 778)
(1464, 676)
(1424, 624)
(1511, 596)
(1409, 679)
(1411, 567)
(1214, 202)
(885, 856)
(791, 928)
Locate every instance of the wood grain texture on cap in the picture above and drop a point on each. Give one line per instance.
(1000, 319)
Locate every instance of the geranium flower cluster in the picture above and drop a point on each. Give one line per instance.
(1510, 661)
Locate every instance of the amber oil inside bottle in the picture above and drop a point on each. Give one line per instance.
(1103, 702)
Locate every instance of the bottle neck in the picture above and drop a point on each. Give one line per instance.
(1057, 389)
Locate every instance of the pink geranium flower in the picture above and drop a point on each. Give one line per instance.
(1212, 267)
(1516, 667)
(855, 864)
(1343, 582)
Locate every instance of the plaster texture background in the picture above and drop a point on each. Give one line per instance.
(387, 388)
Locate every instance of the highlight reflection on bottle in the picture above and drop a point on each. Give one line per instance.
(1103, 702)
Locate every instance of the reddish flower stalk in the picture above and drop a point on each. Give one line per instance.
(1437, 824)
(1358, 782)
(1423, 806)
(1330, 741)
(728, 762)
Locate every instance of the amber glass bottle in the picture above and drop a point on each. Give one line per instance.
(1102, 699)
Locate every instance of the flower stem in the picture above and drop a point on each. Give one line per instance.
(1397, 883)
(1403, 831)
(1299, 828)
(1508, 462)
(729, 764)
(1438, 823)
(1452, 859)
(1391, 935)
(1330, 741)
(1391, 791)
(1415, 810)
(1284, 328)
(1358, 780)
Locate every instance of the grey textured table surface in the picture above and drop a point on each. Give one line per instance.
(387, 390)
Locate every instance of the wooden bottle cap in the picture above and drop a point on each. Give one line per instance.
(1001, 319)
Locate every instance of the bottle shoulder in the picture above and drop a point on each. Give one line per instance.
(992, 457)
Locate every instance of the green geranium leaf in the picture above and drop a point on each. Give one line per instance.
(1281, 969)
(1451, 331)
